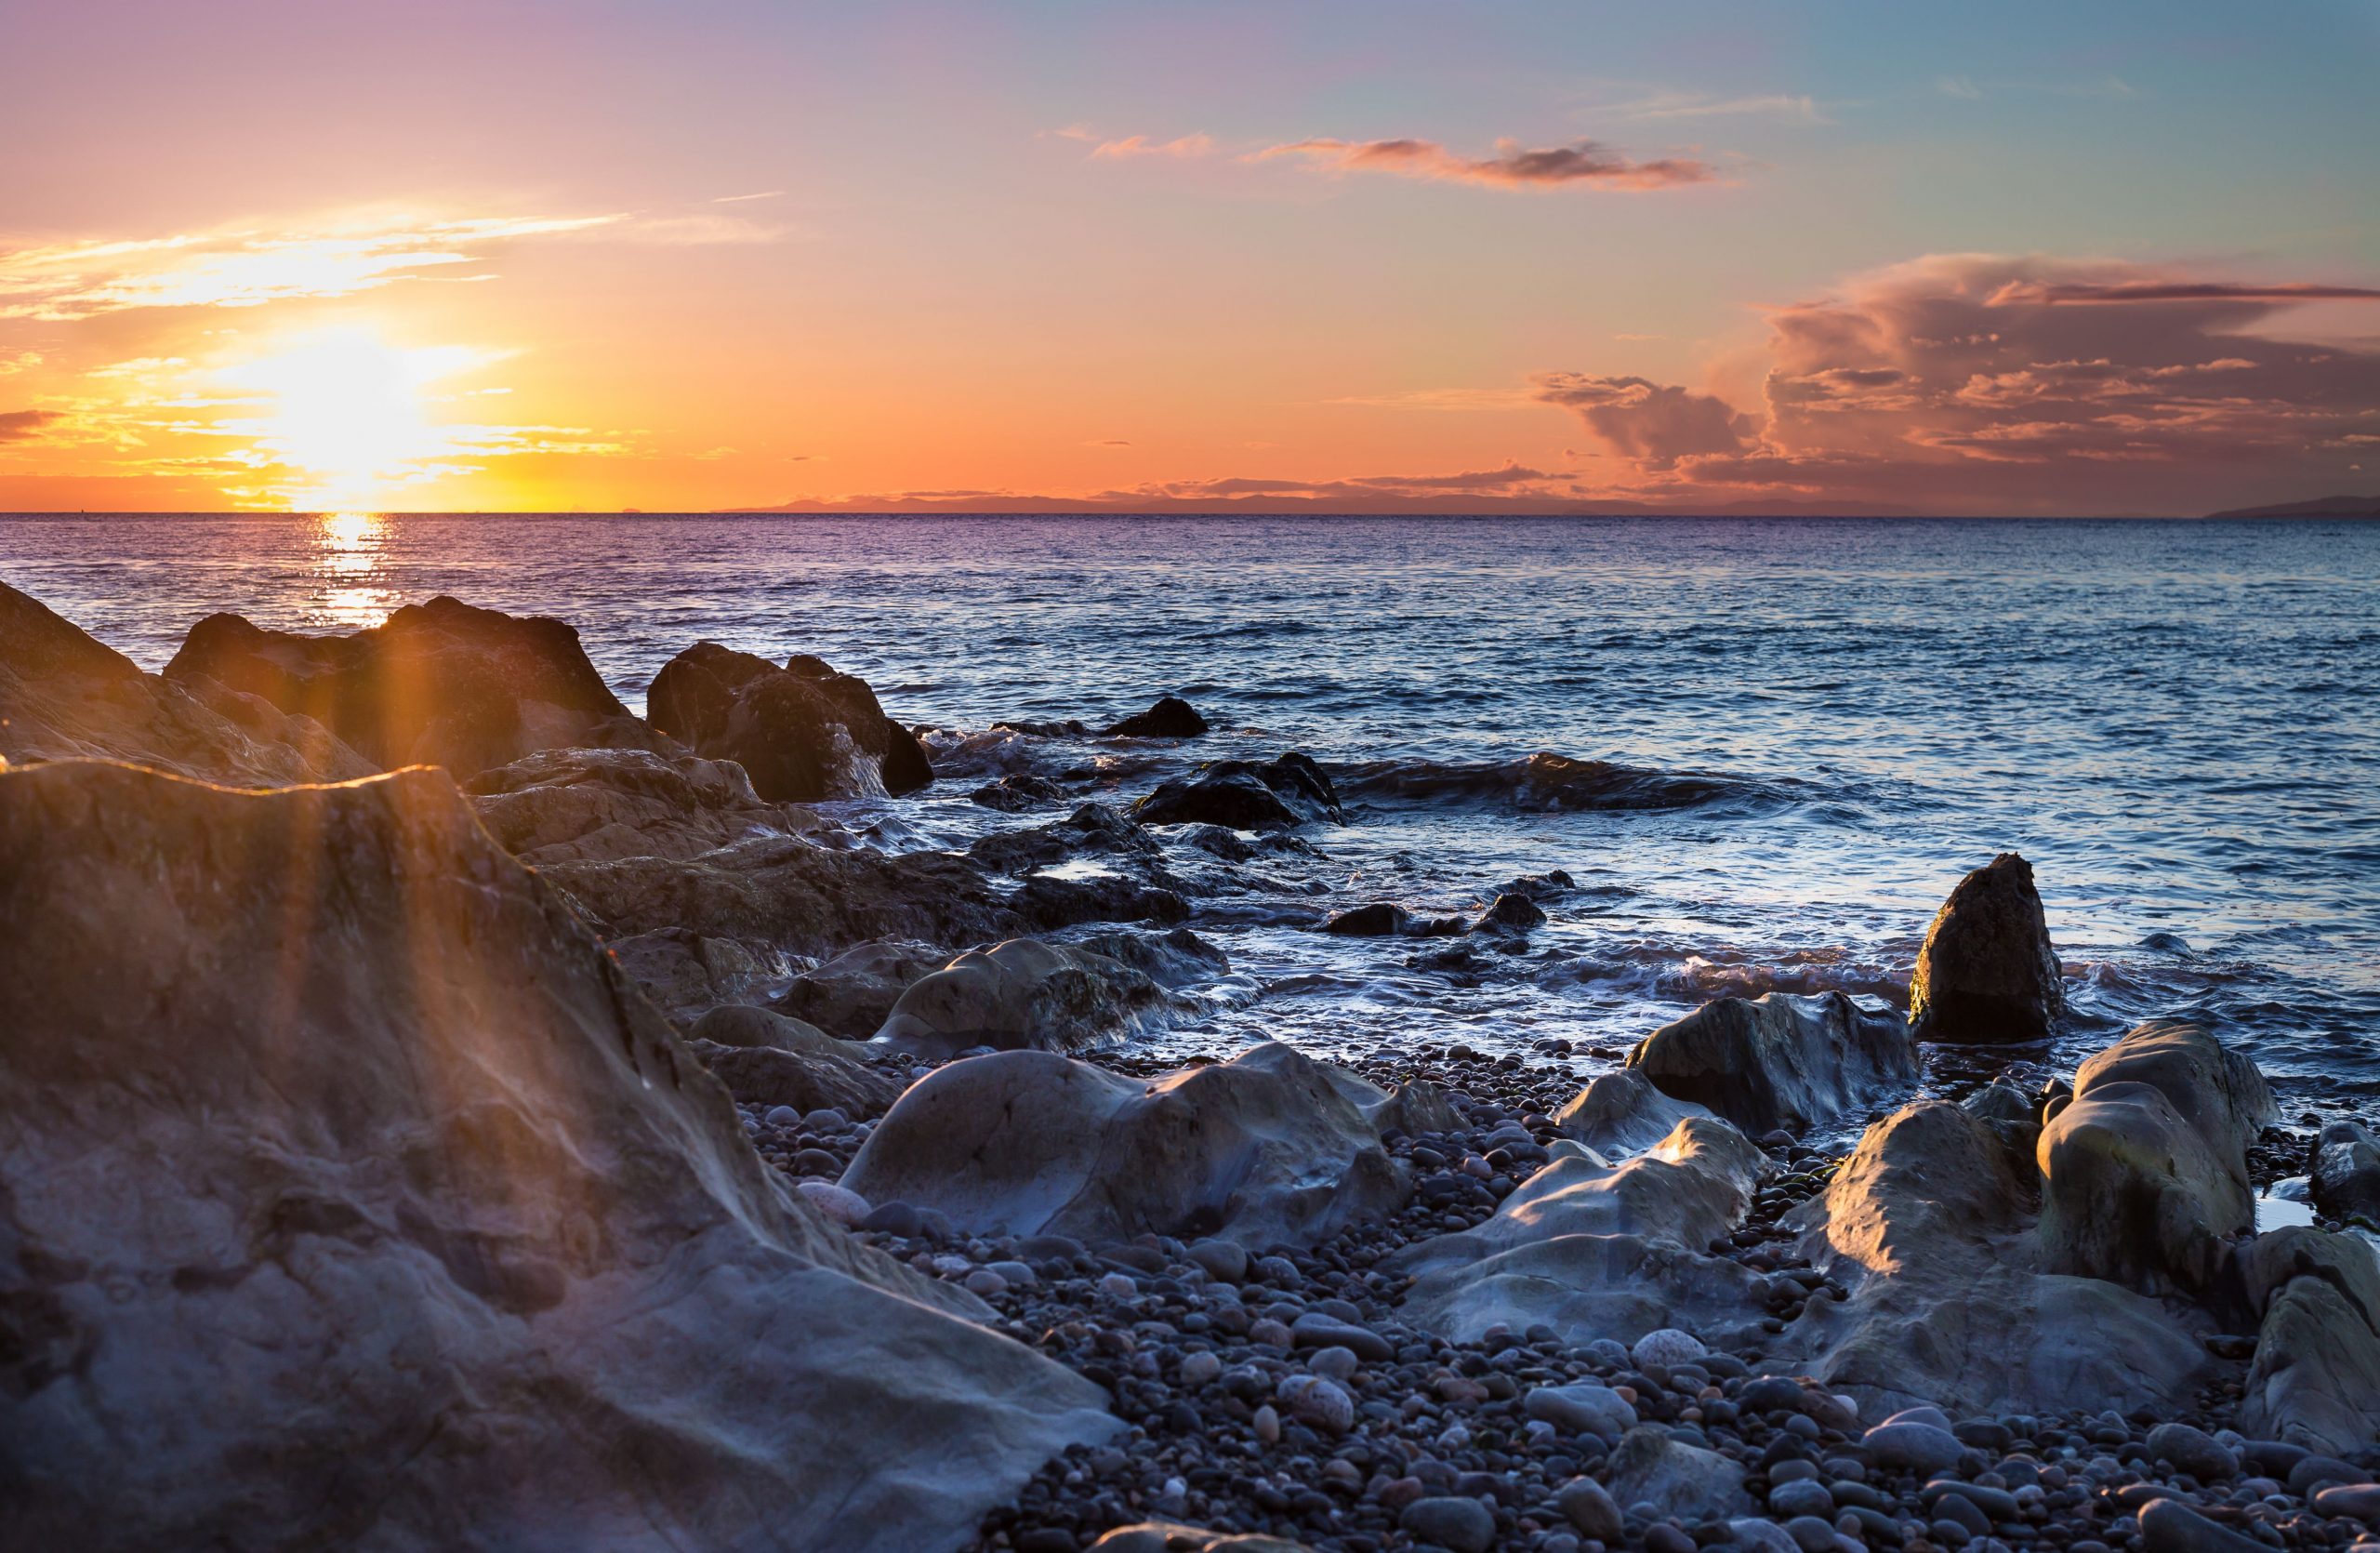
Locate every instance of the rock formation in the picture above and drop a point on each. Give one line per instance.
(1987, 973)
(803, 731)
(1264, 1149)
(1022, 994)
(2316, 1379)
(1282, 793)
(436, 684)
(64, 695)
(1168, 717)
(1779, 1060)
(1622, 1113)
(600, 805)
(354, 1197)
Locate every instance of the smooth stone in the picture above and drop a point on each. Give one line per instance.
(1911, 1446)
(2169, 1526)
(1464, 1525)
(1314, 1330)
(1591, 1510)
(2193, 1451)
(1582, 1408)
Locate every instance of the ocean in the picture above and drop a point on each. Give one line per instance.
(1791, 737)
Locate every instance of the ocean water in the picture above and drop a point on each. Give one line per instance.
(1805, 731)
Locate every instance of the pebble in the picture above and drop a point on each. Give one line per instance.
(2357, 1501)
(1911, 1446)
(2170, 1526)
(1667, 1346)
(1464, 1525)
(1588, 1506)
(840, 1203)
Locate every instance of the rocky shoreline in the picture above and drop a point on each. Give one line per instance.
(476, 1132)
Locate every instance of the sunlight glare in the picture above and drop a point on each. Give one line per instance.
(344, 414)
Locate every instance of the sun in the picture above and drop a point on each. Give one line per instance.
(343, 413)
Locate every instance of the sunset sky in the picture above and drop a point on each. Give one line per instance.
(2056, 258)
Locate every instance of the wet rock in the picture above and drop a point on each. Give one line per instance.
(1381, 919)
(766, 1060)
(1676, 1479)
(852, 994)
(1510, 912)
(1259, 1149)
(2145, 1175)
(63, 696)
(2345, 1169)
(2315, 1381)
(1779, 1060)
(437, 684)
(1583, 1408)
(684, 972)
(1092, 829)
(1018, 791)
(1048, 903)
(594, 806)
(1168, 717)
(1024, 993)
(1282, 793)
(1987, 973)
(803, 731)
(371, 1168)
(1622, 1113)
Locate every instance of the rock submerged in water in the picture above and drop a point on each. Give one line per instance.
(1168, 717)
(1987, 974)
(436, 684)
(2345, 1169)
(1267, 1147)
(1279, 794)
(368, 1203)
(64, 696)
(803, 731)
(1779, 1060)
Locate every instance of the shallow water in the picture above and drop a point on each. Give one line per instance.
(1820, 726)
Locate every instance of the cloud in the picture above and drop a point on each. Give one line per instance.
(740, 199)
(1584, 163)
(1184, 146)
(1655, 424)
(1992, 383)
(1960, 87)
(26, 425)
(1783, 107)
(1440, 399)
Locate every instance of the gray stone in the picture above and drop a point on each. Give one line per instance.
(1584, 1407)
(1622, 1113)
(1676, 1479)
(2346, 1172)
(2170, 1526)
(1591, 1510)
(1464, 1525)
(1912, 1447)
(2193, 1451)
(1780, 1060)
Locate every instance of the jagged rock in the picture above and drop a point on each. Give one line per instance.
(793, 893)
(354, 1197)
(2145, 1174)
(437, 684)
(1261, 1150)
(685, 973)
(1987, 973)
(1017, 792)
(1779, 1060)
(1597, 1251)
(1048, 902)
(63, 696)
(852, 994)
(1676, 1479)
(1282, 793)
(2315, 1381)
(804, 732)
(1929, 1229)
(1381, 919)
(767, 1059)
(600, 805)
(1024, 993)
(1092, 830)
(2344, 1167)
(1168, 717)
(1622, 1113)
(1510, 912)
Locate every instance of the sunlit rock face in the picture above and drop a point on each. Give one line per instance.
(437, 684)
(804, 732)
(1987, 973)
(63, 695)
(353, 1196)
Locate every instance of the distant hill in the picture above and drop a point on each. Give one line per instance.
(1366, 504)
(2320, 507)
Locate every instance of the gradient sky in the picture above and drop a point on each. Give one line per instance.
(723, 253)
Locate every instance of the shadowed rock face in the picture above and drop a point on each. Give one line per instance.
(1279, 794)
(1779, 1060)
(1987, 973)
(1024, 993)
(804, 732)
(2315, 1378)
(436, 684)
(63, 695)
(1261, 1149)
(353, 1196)
(1168, 717)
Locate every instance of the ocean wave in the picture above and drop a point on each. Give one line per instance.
(1547, 783)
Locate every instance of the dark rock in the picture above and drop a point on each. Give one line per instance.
(803, 736)
(1510, 912)
(1017, 792)
(1281, 793)
(1987, 973)
(436, 684)
(2344, 1167)
(1464, 1525)
(64, 696)
(1379, 920)
(599, 805)
(340, 1154)
(1781, 1059)
(850, 994)
(2170, 1526)
(2192, 1451)
(1024, 993)
(1168, 717)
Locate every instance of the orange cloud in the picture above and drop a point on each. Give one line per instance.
(1582, 164)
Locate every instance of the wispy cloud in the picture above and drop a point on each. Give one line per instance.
(1182, 146)
(740, 199)
(1783, 107)
(1583, 164)
(25, 425)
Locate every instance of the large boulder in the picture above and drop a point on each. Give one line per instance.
(2315, 1381)
(598, 806)
(1597, 1251)
(767, 1060)
(2145, 1173)
(63, 696)
(436, 684)
(1279, 794)
(353, 1197)
(1622, 1113)
(1024, 993)
(1261, 1149)
(2345, 1170)
(851, 993)
(1930, 1231)
(1779, 1060)
(1987, 973)
(804, 732)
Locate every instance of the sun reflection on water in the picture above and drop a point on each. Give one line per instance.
(348, 553)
